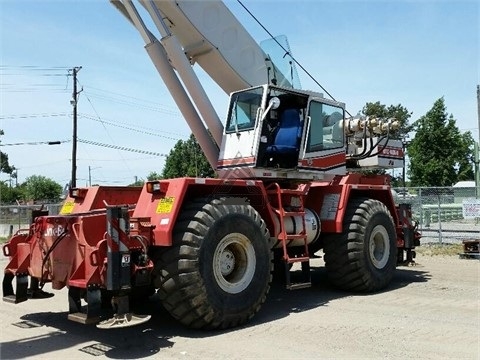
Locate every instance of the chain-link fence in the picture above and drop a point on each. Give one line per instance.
(15, 217)
(444, 214)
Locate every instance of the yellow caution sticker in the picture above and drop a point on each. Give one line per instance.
(67, 208)
(165, 205)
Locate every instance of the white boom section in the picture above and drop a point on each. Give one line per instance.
(205, 32)
(160, 59)
(211, 36)
(180, 62)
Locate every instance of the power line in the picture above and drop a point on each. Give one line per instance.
(19, 74)
(45, 164)
(33, 90)
(34, 67)
(157, 108)
(115, 160)
(101, 121)
(123, 125)
(27, 116)
(287, 52)
(57, 142)
(31, 78)
(123, 148)
(126, 96)
(180, 136)
(129, 128)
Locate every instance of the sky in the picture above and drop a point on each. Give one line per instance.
(395, 52)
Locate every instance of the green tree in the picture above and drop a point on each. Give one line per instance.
(466, 157)
(5, 167)
(9, 194)
(439, 154)
(187, 159)
(138, 182)
(39, 187)
(154, 176)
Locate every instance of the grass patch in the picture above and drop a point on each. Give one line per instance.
(3, 239)
(436, 249)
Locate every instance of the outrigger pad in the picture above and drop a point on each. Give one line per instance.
(122, 321)
(21, 293)
(39, 294)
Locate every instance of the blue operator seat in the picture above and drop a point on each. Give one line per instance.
(287, 140)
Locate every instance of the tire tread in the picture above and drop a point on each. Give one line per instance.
(181, 287)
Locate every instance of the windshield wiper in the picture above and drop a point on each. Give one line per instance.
(235, 115)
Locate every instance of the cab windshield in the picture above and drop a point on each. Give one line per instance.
(243, 110)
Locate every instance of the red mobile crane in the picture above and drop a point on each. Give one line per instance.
(289, 184)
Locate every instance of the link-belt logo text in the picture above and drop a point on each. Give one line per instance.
(54, 231)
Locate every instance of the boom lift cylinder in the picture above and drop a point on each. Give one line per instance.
(159, 58)
(188, 76)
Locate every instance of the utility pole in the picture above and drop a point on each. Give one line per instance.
(90, 174)
(478, 110)
(476, 148)
(73, 181)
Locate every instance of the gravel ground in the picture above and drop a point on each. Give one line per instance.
(430, 311)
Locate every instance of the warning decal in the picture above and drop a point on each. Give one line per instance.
(67, 208)
(165, 205)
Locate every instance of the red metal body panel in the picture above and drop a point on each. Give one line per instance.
(78, 257)
(15, 249)
(98, 197)
(159, 211)
(236, 161)
(76, 243)
(82, 237)
(161, 208)
(324, 162)
(330, 199)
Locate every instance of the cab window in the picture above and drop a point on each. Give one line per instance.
(325, 131)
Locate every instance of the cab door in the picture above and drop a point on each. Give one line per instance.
(240, 142)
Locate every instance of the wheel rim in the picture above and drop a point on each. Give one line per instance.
(234, 263)
(379, 245)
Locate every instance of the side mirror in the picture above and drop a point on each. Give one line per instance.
(273, 104)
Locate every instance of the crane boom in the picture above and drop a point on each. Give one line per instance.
(212, 37)
(205, 32)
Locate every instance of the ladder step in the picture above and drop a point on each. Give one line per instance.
(297, 286)
(291, 191)
(291, 213)
(292, 237)
(286, 191)
(299, 283)
(298, 259)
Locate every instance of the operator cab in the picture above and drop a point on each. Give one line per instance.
(274, 132)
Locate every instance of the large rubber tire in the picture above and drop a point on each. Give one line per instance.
(218, 272)
(363, 257)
